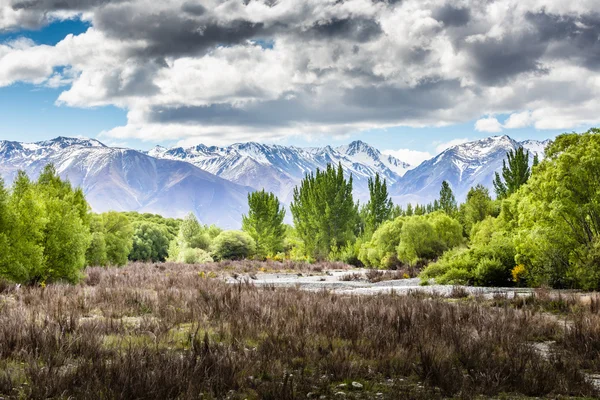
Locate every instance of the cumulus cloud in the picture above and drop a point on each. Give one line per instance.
(412, 157)
(223, 70)
(488, 124)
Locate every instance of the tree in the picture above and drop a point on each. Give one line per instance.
(96, 252)
(379, 207)
(150, 242)
(325, 215)
(233, 245)
(447, 202)
(192, 234)
(558, 214)
(514, 175)
(118, 235)
(476, 208)
(264, 223)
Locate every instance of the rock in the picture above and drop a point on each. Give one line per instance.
(342, 385)
(340, 394)
(357, 385)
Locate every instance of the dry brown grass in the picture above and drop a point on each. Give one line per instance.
(171, 331)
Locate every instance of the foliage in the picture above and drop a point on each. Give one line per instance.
(380, 251)
(233, 245)
(118, 235)
(379, 207)
(194, 256)
(150, 242)
(558, 215)
(45, 229)
(514, 175)
(476, 208)
(264, 223)
(447, 202)
(325, 215)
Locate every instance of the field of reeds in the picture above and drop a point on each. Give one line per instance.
(180, 331)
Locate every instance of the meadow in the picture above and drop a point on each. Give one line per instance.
(156, 331)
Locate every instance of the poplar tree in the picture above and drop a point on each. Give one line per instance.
(514, 175)
(264, 223)
(324, 212)
(447, 202)
(380, 206)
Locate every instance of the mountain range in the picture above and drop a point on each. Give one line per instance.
(213, 182)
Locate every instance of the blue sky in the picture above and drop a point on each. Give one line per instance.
(283, 77)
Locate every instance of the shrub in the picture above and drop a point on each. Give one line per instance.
(194, 256)
(491, 272)
(380, 251)
(233, 245)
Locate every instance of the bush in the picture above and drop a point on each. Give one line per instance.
(233, 245)
(194, 256)
(380, 251)
(491, 272)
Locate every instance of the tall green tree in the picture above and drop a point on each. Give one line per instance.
(379, 207)
(264, 223)
(118, 235)
(447, 202)
(514, 174)
(325, 215)
(66, 231)
(476, 208)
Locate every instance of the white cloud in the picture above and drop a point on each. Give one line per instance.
(333, 67)
(519, 120)
(446, 145)
(488, 124)
(413, 157)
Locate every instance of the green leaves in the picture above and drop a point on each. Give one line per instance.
(264, 223)
(325, 215)
(515, 175)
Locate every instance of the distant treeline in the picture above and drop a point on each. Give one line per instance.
(542, 228)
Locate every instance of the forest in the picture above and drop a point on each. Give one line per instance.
(540, 227)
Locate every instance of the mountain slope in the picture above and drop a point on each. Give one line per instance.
(279, 169)
(129, 180)
(463, 166)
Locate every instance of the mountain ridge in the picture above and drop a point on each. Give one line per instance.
(213, 181)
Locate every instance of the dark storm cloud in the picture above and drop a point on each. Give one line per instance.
(170, 32)
(373, 102)
(495, 61)
(353, 29)
(60, 5)
(452, 16)
(571, 36)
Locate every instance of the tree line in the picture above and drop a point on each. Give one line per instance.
(542, 226)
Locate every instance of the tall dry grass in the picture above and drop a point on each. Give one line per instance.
(169, 331)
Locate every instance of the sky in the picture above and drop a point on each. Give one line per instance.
(410, 77)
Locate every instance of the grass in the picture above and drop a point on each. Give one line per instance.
(168, 331)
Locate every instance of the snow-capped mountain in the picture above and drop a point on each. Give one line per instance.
(128, 180)
(213, 182)
(463, 166)
(279, 169)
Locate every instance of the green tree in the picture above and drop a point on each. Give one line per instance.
(447, 201)
(233, 245)
(558, 214)
(96, 252)
(514, 175)
(192, 234)
(476, 208)
(325, 215)
(66, 231)
(118, 235)
(150, 242)
(379, 207)
(264, 223)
